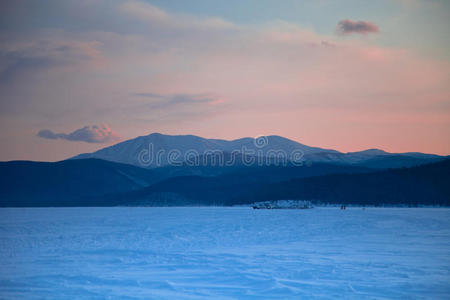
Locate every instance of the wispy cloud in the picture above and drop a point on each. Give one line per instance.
(149, 13)
(165, 101)
(19, 57)
(361, 27)
(89, 134)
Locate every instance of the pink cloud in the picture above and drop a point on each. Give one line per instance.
(89, 134)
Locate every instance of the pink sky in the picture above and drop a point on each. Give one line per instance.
(180, 73)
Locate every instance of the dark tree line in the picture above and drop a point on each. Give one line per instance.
(421, 185)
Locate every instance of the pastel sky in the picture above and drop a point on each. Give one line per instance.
(79, 75)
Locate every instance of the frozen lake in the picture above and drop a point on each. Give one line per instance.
(224, 253)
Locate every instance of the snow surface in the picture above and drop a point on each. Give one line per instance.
(224, 253)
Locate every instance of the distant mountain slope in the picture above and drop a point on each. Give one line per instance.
(156, 150)
(399, 160)
(25, 183)
(375, 158)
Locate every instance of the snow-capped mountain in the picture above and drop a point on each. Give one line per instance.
(157, 150)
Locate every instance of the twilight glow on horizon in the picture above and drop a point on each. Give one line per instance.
(76, 76)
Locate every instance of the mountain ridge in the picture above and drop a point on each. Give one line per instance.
(92, 182)
(142, 151)
(95, 182)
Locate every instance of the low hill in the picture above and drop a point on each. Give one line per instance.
(421, 185)
(95, 182)
(67, 183)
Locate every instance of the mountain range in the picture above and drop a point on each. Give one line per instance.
(144, 151)
(162, 170)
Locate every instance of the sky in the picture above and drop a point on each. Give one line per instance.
(80, 75)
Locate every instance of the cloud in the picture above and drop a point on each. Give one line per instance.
(154, 15)
(361, 27)
(88, 134)
(21, 56)
(165, 101)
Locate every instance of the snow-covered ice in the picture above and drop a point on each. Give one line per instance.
(224, 253)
